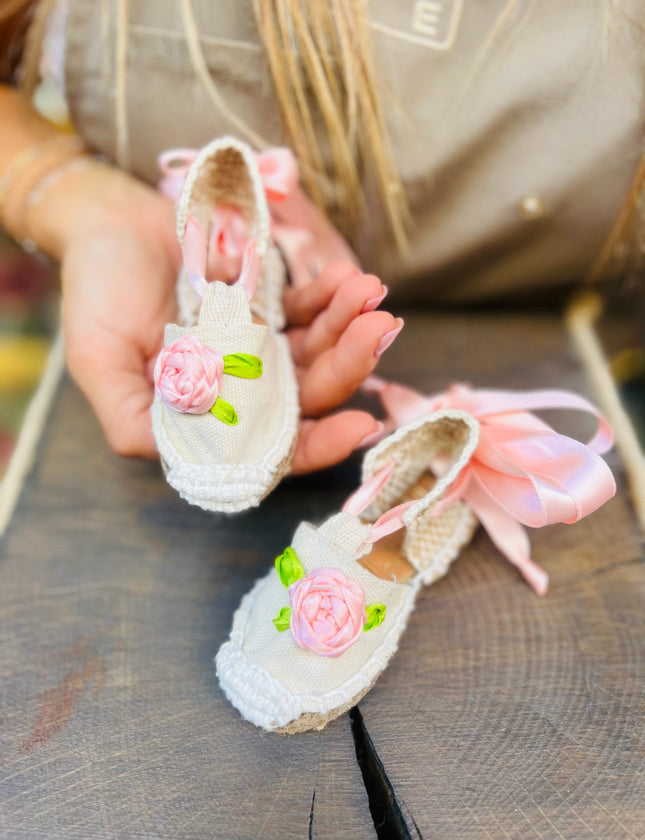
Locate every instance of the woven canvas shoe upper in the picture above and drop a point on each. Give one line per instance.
(266, 304)
(270, 679)
(228, 455)
(217, 465)
(315, 633)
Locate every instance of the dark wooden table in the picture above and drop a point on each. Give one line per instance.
(501, 716)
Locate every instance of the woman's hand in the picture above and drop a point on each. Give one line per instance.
(119, 269)
(336, 339)
(115, 240)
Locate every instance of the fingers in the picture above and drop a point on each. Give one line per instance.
(357, 294)
(117, 296)
(339, 371)
(322, 443)
(127, 426)
(302, 305)
(120, 395)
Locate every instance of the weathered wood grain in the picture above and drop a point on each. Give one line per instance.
(114, 597)
(502, 715)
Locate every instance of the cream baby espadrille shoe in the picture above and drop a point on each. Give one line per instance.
(311, 637)
(225, 412)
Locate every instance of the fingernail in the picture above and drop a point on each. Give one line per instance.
(371, 304)
(372, 438)
(388, 338)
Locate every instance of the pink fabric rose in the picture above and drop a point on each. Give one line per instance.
(327, 612)
(188, 375)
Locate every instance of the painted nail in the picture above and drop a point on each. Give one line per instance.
(388, 338)
(371, 304)
(372, 438)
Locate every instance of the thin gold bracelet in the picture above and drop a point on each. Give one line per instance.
(29, 156)
(43, 185)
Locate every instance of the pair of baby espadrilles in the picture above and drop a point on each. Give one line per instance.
(310, 639)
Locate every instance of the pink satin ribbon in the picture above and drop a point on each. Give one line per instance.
(306, 239)
(391, 520)
(195, 253)
(523, 472)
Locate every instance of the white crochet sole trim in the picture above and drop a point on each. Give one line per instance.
(230, 488)
(266, 702)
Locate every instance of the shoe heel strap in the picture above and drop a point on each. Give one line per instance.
(225, 172)
(396, 464)
(433, 542)
(414, 448)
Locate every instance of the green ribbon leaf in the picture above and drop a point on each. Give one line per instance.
(243, 365)
(288, 567)
(375, 616)
(283, 619)
(224, 411)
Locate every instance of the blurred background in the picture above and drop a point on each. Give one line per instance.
(30, 305)
(29, 318)
(29, 309)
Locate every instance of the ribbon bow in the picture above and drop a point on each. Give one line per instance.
(522, 472)
(306, 239)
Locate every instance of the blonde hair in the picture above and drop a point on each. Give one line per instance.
(321, 62)
(623, 252)
(322, 52)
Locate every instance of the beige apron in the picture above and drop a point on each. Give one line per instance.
(516, 158)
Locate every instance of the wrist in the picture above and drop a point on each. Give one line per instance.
(26, 170)
(87, 198)
(71, 205)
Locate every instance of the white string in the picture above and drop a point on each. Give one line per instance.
(581, 315)
(31, 431)
(104, 39)
(121, 103)
(204, 76)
